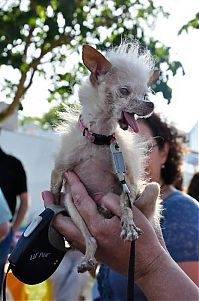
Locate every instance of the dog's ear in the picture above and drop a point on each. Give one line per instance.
(153, 78)
(95, 62)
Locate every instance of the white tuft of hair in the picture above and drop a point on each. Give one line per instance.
(67, 119)
(132, 54)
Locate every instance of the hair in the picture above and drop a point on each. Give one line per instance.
(193, 188)
(132, 52)
(164, 133)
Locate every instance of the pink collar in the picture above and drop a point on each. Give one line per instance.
(93, 137)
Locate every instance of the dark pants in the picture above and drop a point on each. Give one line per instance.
(4, 251)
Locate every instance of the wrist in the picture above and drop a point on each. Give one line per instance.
(152, 268)
(164, 280)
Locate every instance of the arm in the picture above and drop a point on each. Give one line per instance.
(166, 281)
(155, 272)
(5, 216)
(4, 229)
(183, 241)
(21, 212)
(191, 268)
(21, 191)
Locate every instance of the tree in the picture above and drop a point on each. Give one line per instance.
(38, 37)
(54, 117)
(193, 23)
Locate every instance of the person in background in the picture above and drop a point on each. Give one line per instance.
(12, 183)
(5, 216)
(193, 188)
(66, 282)
(180, 212)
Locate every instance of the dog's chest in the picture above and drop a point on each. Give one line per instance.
(95, 170)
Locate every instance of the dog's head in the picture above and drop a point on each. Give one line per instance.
(122, 81)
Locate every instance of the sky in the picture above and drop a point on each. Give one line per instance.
(183, 110)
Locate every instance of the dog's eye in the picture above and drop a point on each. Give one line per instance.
(146, 97)
(124, 91)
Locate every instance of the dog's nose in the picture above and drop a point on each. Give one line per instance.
(150, 105)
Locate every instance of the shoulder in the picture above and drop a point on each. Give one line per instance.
(14, 165)
(11, 158)
(14, 161)
(180, 205)
(180, 226)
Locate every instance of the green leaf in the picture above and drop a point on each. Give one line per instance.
(194, 23)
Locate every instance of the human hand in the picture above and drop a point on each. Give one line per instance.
(111, 250)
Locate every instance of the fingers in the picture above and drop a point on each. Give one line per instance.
(83, 202)
(66, 227)
(48, 198)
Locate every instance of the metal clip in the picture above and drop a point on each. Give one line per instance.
(125, 188)
(119, 165)
(117, 157)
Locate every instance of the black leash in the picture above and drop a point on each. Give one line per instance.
(131, 273)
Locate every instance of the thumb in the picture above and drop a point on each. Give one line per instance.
(112, 202)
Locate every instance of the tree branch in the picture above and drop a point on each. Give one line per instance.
(33, 65)
(61, 41)
(28, 42)
(12, 107)
(30, 81)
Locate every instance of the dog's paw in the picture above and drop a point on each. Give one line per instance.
(129, 230)
(86, 265)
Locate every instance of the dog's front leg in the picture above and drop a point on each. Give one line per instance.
(56, 183)
(57, 179)
(129, 229)
(89, 260)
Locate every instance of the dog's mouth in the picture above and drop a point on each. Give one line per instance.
(128, 119)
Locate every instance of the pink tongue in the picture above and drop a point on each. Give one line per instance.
(130, 119)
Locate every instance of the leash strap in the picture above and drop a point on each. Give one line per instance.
(120, 169)
(131, 272)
